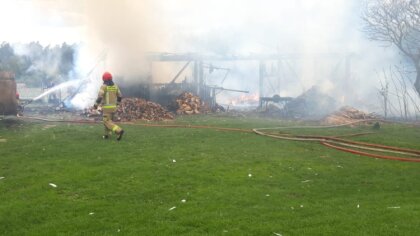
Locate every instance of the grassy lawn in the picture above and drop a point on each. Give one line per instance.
(233, 183)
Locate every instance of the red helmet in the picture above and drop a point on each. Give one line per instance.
(106, 76)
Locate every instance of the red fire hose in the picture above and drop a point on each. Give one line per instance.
(328, 142)
(370, 154)
(324, 140)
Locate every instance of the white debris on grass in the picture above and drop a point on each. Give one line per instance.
(358, 206)
(250, 175)
(173, 160)
(394, 207)
(53, 185)
(183, 201)
(48, 126)
(277, 234)
(292, 208)
(118, 230)
(339, 166)
(301, 206)
(267, 195)
(1, 177)
(170, 209)
(306, 181)
(3, 140)
(91, 213)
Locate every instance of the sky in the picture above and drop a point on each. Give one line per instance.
(260, 24)
(25, 21)
(125, 29)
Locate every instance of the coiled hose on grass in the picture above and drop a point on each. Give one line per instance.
(347, 145)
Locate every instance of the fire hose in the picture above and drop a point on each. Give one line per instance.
(331, 142)
(350, 146)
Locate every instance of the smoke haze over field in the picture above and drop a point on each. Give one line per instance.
(125, 29)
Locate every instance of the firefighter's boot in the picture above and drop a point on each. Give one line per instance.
(120, 134)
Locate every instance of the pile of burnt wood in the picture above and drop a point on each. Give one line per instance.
(189, 104)
(347, 115)
(132, 109)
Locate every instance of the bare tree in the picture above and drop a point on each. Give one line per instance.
(405, 97)
(396, 22)
(384, 93)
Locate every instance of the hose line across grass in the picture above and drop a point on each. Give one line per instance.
(340, 144)
(350, 146)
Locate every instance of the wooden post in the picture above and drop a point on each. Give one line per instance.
(8, 102)
(201, 80)
(261, 82)
(195, 75)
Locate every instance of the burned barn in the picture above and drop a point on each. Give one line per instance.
(269, 84)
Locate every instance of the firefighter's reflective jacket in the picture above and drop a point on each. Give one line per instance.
(109, 96)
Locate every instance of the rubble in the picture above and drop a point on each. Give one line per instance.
(132, 109)
(311, 104)
(218, 108)
(189, 104)
(91, 112)
(348, 114)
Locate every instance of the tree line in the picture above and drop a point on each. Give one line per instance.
(37, 65)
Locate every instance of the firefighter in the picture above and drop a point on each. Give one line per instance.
(109, 97)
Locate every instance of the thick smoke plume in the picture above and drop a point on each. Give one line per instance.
(126, 29)
(116, 36)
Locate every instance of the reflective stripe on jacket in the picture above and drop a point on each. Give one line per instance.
(109, 95)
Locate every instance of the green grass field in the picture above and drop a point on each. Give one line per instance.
(233, 183)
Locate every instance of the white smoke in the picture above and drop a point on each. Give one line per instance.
(127, 29)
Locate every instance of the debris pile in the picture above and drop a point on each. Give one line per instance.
(311, 104)
(132, 109)
(218, 108)
(189, 104)
(91, 112)
(347, 115)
